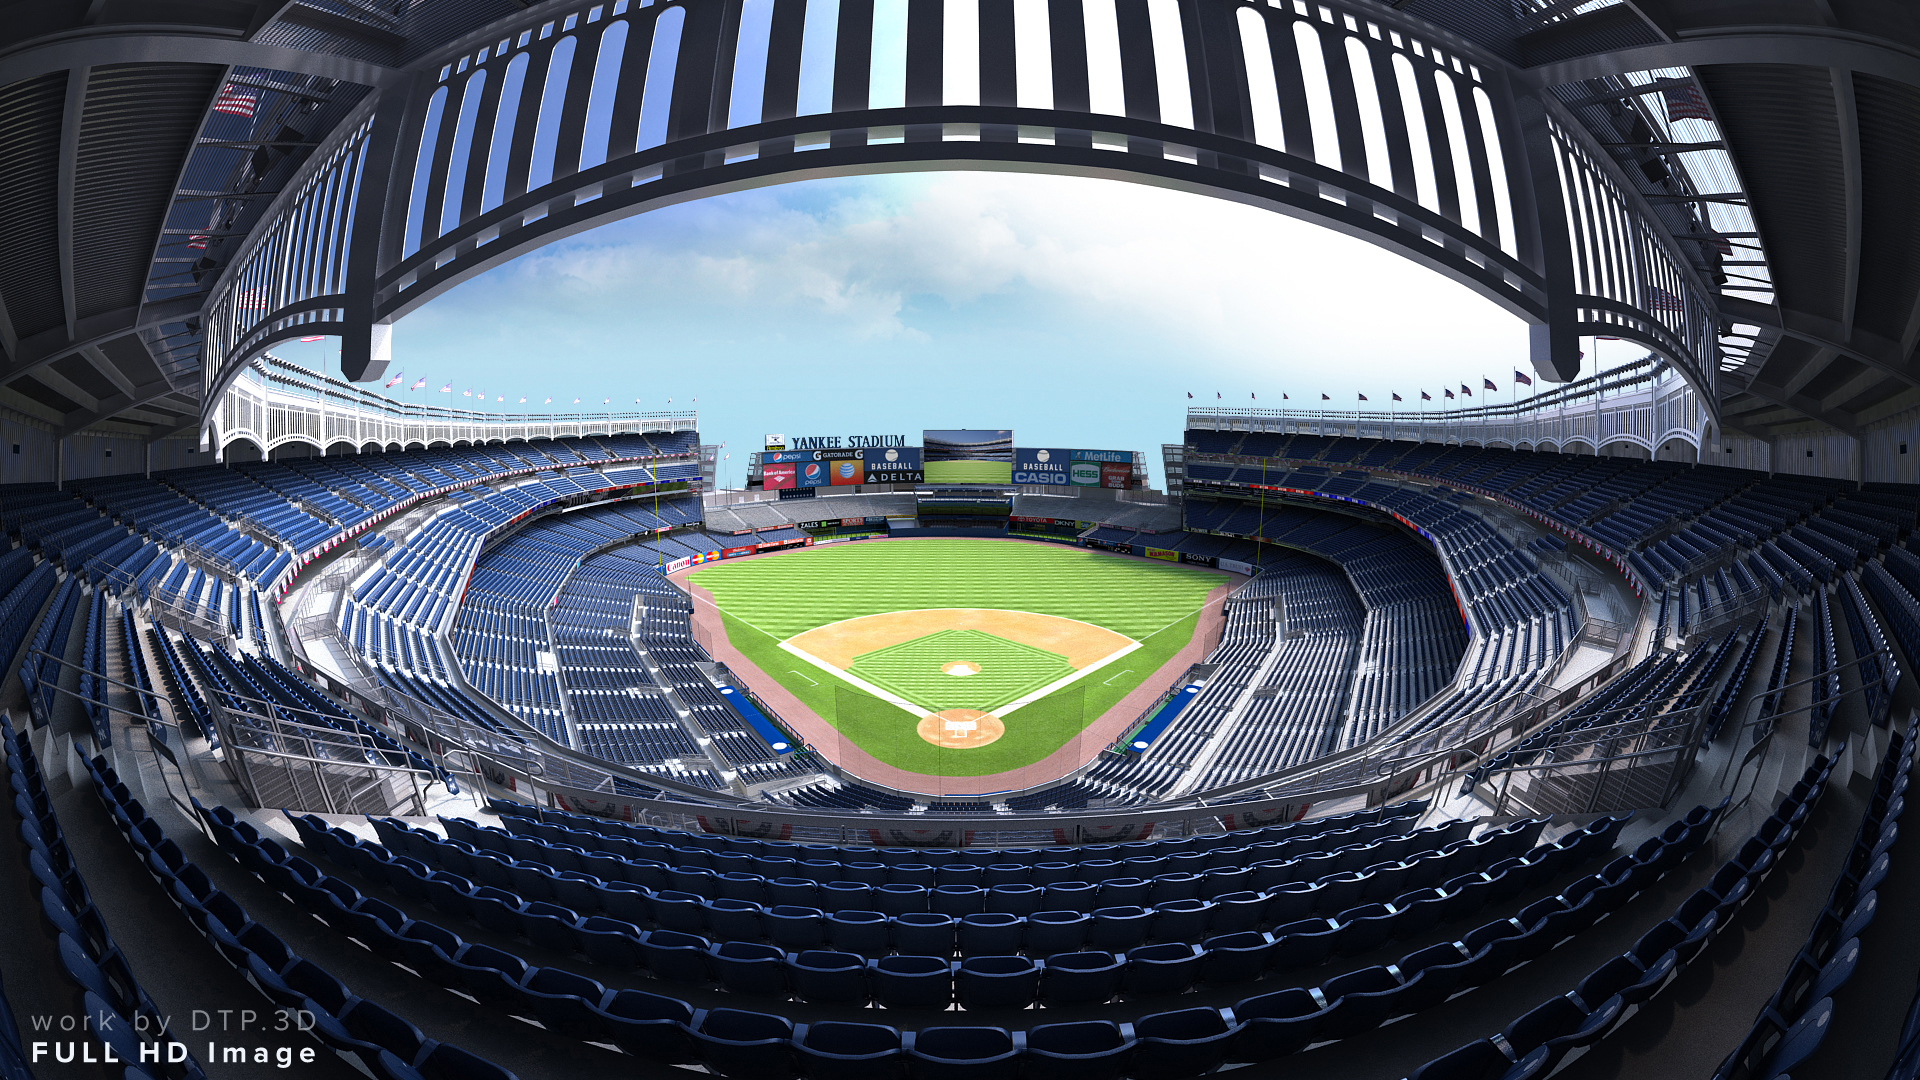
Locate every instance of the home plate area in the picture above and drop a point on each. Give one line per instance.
(961, 671)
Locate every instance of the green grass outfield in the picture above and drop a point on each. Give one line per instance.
(766, 600)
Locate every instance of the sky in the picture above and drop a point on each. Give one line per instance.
(1079, 312)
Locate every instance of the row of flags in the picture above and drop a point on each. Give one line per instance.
(1519, 378)
(481, 395)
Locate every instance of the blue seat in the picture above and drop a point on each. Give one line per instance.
(1182, 920)
(610, 942)
(651, 1027)
(745, 967)
(1801, 1040)
(827, 977)
(675, 957)
(837, 896)
(373, 1024)
(1049, 932)
(863, 932)
(923, 933)
(1478, 1060)
(958, 901)
(1543, 1035)
(997, 982)
(489, 974)
(1181, 1043)
(991, 933)
(1275, 1025)
(563, 1001)
(1168, 968)
(1117, 929)
(1624, 978)
(963, 1053)
(911, 982)
(1235, 912)
(426, 948)
(748, 1045)
(1087, 1050)
(1069, 895)
(1302, 944)
(497, 910)
(1081, 978)
(1234, 958)
(795, 928)
(898, 899)
(550, 926)
(1359, 1001)
(684, 912)
(836, 1050)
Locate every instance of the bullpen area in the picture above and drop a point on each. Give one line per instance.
(955, 657)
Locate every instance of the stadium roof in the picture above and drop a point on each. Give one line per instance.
(1775, 140)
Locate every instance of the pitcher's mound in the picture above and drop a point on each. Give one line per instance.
(961, 729)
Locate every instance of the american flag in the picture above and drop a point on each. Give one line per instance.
(447, 389)
(234, 101)
(1449, 394)
(1324, 397)
(1720, 244)
(418, 385)
(1424, 396)
(1363, 397)
(395, 381)
(1488, 383)
(316, 337)
(1659, 299)
(1464, 390)
(1685, 103)
(1397, 397)
(251, 299)
(198, 241)
(1523, 380)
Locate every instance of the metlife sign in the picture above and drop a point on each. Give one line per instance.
(1034, 465)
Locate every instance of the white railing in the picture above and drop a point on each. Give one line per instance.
(1636, 404)
(274, 403)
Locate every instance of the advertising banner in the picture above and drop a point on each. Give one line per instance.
(846, 471)
(1084, 473)
(1035, 465)
(779, 477)
(775, 442)
(678, 565)
(813, 474)
(1116, 476)
(1123, 457)
(772, 456)
(1163, 553)
(1198, 560)
(736, 552)
(894, 465)
(1236, 566)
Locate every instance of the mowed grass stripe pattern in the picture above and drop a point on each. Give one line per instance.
(768, 599)
(1008, 669)
(790, 594)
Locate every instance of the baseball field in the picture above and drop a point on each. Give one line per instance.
(956, 657)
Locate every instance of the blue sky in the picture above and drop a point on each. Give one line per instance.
(1076, 311)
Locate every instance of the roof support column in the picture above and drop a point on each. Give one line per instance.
(1555, 344)
(366, 345)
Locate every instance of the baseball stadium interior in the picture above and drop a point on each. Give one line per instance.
(351, 737)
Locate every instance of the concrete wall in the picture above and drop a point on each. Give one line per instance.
(26, 451)
(1832, 454)
(1891, 454)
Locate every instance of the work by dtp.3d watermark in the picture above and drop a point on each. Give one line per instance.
(233, 1037)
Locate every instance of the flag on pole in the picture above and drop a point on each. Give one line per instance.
(576, 401)
(1283, 397)
(1216, 395)
(1464, 390)
(1363, 397)
(1720, 244)
(1189, 395)
(1396, 397)
(1523, 380)
(606, 401)
(316, 337)
(1324, 397)
(395, 381)
(447, 389)
(1449, 394)
(549, 401)
(418, 385)
(1488, 383)
(523, 399)
(1685, 103)
(466, 393)
(234, 101)
(500, 397)
(198, 241)
(1424, 396)
(1253, 396)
